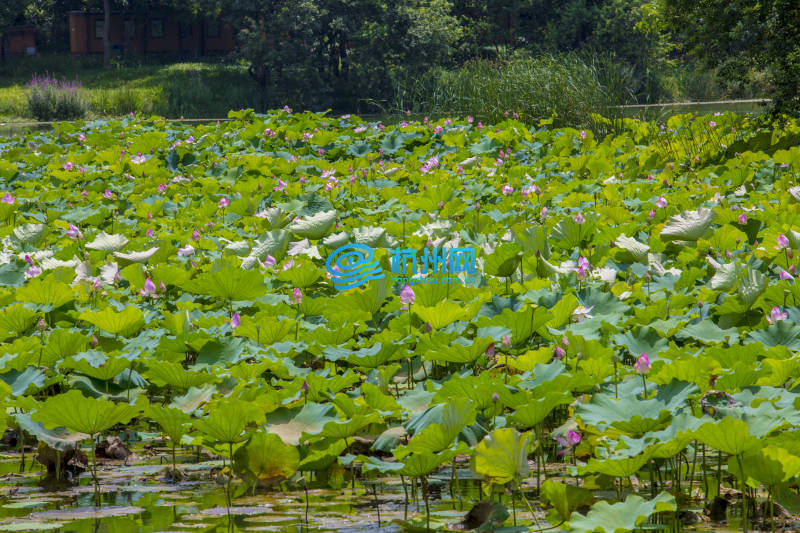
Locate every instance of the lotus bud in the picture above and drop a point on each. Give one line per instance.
(495, 397)
(506, 344)
(642, 365)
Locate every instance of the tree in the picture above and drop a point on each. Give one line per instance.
(736, 35)
(333, 53)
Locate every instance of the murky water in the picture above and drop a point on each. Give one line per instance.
(136, 497)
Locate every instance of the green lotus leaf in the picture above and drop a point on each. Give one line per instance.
(629, 515)
(456, 415)
(460, 350)
(174, 423)
(314, 226)
(291, 424)
(502, 456)
(532, 413)
(782, 333)
(169, 374)
(135, 257)
(752, 284)
(227, 420)
(265, 459)
(565, 498)
(440, 315)
(708, 332)
(637, 250)
(342, 429)
(632, 415)
(16, 318)
(108, 243)
(96, 365)
(30, 233)
(58, 438)
(77, 413)
(770, 466)
(46, 291)
(228, 283)
(504, 261)
(725, 275)
(728, 435)
(272, 243)
(125, 323)
(688, 226)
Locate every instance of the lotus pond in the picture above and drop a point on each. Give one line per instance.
(616, 349)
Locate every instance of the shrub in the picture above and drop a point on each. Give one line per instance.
(52, 99)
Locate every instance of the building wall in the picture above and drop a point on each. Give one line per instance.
(148, 34)
(17, 41)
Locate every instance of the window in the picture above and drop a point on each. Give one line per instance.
(186, 30)
(212, 28)
(157, 29)
(99, 28)
(130, 30)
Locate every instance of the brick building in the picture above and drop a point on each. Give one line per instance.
(148, 33)
(18, 40)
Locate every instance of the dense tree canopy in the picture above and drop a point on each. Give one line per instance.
(739, 34)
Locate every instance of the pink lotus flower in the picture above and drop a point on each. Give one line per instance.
(583, 134)
(33, 272)
(161, 188)
(785, 275)
(579, 219)
(543, 212)
(572, 439)
(297, 296)
(506, 344)
(280, 186)
(783, 241)
(776, 316)
(149, 232)
(69, 165)
(236, 321)
(559, 352)
(661, 203)
(269, 261)
(489, 349)
(289, 264)
(224, 202)
(108, 194)
(407, 296)
(8, 199)
(149, 288)
(651, 215)
(742, 219)
(81, 137)
(28, 259)
(74, 233)
(507, 189)
(195, 235)
(564, 341)
(186, 251)
(138, 159)
(642, 364)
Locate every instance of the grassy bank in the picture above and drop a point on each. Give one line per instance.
(570, 88)
(186, 88)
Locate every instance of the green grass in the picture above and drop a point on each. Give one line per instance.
(569, 86)
(192, 89)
